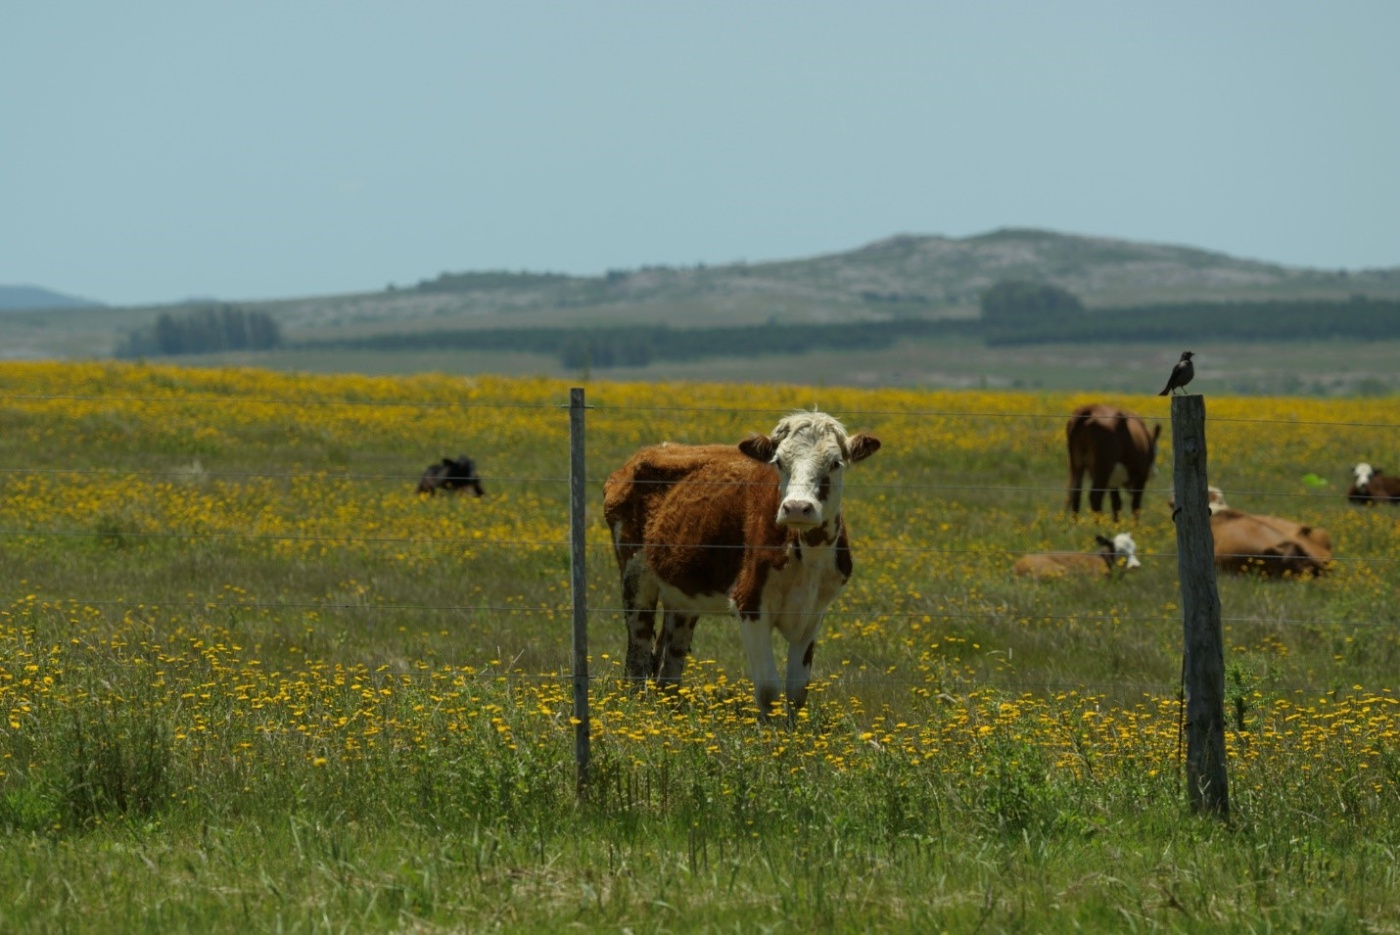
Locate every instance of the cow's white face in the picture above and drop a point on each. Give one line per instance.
(1125, 548)
(811, 451)
(1361, 476)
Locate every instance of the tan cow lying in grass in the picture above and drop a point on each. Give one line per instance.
(1059, 564)
(1268, 545)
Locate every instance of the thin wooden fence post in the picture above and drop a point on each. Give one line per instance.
(578, 582)
(1203, 662)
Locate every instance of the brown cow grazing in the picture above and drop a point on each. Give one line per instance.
(1117, 450)
(754, 529)
(451, 476)
(1370, 485)
(1268, 545)
(1102, 562)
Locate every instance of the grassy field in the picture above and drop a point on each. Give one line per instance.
(250, 681)
(1285, 368)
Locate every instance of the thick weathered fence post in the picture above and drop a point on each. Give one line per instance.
(578, 583)
(1203, 663)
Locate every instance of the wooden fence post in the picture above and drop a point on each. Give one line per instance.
(578, 582)
(1203, 663)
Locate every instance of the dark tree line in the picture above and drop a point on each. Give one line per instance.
(1044, 316)
(493, 279)
(639, 345)
(1013, 303)
(205, 330)
(1297, 320)
(1013, 312)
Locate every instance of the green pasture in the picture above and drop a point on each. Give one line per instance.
(251, 682)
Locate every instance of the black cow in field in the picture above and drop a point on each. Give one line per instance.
(451, 476)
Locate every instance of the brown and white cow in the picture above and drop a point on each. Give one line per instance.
(1370, 485)
(1269, 545)
(754, 529)
(1116, 448)
(1215, 501)
(1103, 562)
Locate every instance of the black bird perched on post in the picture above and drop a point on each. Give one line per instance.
(1181, 373)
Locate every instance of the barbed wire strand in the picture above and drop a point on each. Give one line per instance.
(605, 611)
(1167, 688)
(196, 476)
(601, 409)
(595, 545)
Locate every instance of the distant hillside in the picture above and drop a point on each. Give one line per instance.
(33, 297)
(899, 279)
(907, 276)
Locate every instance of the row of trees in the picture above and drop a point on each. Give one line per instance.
(639, 345)
(1014, 304)
(492, 279)
(205, 330)
(1013, 312)
(1017, 312)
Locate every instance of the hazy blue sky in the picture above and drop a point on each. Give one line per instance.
(152, 151)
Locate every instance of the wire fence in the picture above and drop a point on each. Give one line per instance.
(1320, 505)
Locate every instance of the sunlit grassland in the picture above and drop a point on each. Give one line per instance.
(1269, 368)
(249, 680)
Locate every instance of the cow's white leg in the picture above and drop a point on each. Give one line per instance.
(677, 629)
(799, 670)
(763, 669)
(639, 597)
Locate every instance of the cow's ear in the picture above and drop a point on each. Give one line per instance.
(759, 447)
(1104, 541)
(863, 446)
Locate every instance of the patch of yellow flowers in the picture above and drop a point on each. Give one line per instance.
(226, 698)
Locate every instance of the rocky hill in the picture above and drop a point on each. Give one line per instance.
(905, 276)
(899, 278)
(33, 297)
